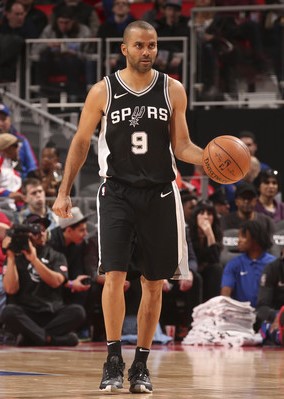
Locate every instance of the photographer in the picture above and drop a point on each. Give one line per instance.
(33, 279)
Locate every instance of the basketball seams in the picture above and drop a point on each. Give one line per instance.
(229, 155)
(226, 178)
(224, 156)
(237, 141)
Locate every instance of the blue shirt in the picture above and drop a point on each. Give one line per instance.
(242, 274)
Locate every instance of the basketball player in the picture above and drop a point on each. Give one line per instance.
(143, 124)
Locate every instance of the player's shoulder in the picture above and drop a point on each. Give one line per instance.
(98, 93)
(175, 84)
(176, 90)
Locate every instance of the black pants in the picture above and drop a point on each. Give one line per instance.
(35, 327)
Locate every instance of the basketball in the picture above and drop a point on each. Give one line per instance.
(226, 159)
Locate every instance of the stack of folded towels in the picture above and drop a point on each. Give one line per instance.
(223, 321)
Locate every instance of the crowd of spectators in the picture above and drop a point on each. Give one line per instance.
(230, 46)
(59, 265)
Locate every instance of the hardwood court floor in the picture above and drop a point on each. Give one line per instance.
(178, 372)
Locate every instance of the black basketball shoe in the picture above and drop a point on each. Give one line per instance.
(139, 378)
(112, 379)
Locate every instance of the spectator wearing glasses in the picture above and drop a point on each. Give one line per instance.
(268, 184)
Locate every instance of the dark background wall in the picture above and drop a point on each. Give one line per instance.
(266, 124)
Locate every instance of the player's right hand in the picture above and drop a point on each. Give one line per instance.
(62, 206)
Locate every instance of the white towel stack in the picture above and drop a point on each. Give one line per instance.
(223, 321)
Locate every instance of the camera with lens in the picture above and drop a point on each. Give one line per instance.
(20, 234)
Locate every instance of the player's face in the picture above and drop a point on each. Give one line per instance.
(140, 49)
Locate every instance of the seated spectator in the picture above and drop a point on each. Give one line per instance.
(35, 203)
(189, 202)
(114, 27)
(50, 170)
(254, 170)
(27, 160)
(250, 177)
(220, 202)
(241, 276)
(181, 296)
(268, 184)
(243, 30)
(10, 179)
(157, 12)
(214, 55)
(34, 16)
(64, 59)
(14, 29)
(246, 198)
(206, 237)
(85, 14)
(250, 141)
(169, 58)
(33, 280)
(69, 238)
(5, 224)
(270, 303)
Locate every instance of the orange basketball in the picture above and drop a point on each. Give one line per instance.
(226, 159)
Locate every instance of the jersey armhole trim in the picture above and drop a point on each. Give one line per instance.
(108, 87)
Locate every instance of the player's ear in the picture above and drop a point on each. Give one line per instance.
(123, 49)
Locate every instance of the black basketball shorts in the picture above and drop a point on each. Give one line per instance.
(144, 226)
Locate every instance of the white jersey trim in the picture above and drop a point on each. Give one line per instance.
(137, 93)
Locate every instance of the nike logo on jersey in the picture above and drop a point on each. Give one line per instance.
(166, 194)
(116, 96)
(243, 273)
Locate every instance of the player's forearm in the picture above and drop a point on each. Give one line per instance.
(75, 159)
(190, 153)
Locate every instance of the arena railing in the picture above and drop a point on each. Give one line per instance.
(32, 85)
(183, 40)
(271, 94)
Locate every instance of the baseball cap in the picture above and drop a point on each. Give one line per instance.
(34, 218)
(174, 3)
(5, 110)
(77, 217)
(6, 140)
(218, 197)
(245, 188)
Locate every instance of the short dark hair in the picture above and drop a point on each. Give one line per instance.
(51, 144)
(258, 233)
(246, 133)
(30, 181)
(265, 174)
(137, 24)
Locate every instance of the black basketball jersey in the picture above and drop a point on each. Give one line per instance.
(134, 142)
